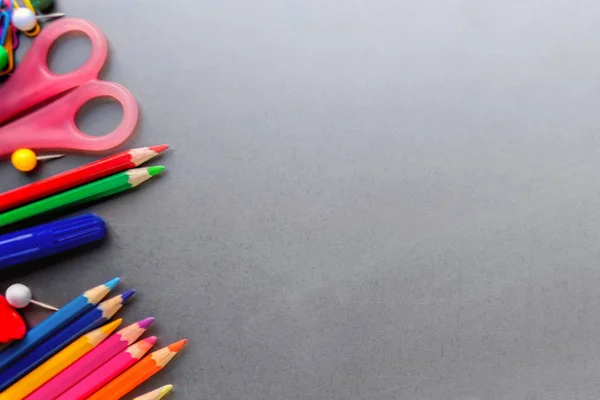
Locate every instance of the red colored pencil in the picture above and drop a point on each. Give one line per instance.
(78, 176)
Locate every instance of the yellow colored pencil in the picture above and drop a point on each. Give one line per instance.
(58, 362)
(156, 394)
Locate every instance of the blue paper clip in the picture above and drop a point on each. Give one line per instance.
(5, 24)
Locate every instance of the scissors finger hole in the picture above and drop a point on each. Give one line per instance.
(99, 116)
(69, 52)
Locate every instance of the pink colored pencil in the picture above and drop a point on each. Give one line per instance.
(93, 382)
(91, 361)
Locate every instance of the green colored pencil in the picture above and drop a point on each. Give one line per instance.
(89, 192)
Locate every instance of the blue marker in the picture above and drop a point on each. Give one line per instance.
(49, 239)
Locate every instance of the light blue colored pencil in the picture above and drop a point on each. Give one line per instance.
(82, 303)
(88, 322)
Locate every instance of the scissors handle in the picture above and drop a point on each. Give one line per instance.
(53, 127)
(33, 82)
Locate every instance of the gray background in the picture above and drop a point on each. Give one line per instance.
(364, 200)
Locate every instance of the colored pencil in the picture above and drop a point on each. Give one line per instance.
(108, 371)
(156, 394)
(91, 320)
(78, 176)
(139, 373)
(91, 361)
(78, 306)
(89, 192)
(59, 362)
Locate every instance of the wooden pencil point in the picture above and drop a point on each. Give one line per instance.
(178, 345)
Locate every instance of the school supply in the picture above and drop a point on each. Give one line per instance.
(25, 19)
(19, 296)
(48, 327)
(156, 394)
(91, 361)
(52, 126)
(111, 370)
(59, 362)
(49, 239)
(92, 191)
(139, 373)
(91, 320)
(25, 160)
(79, 176)
(5, 32)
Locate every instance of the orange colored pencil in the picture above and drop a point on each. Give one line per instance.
(139, 373)
(103, 375)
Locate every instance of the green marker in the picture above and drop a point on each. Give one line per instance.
(92, 191)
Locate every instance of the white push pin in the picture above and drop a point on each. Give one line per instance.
(19, 296)
(25, 20)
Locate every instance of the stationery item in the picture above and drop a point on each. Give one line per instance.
(79, 176)
(52, 126)
(59, 362)
(25, 19)
(4, 26)
(91, 320)
(48, 327)
(5, 15)
(93, 382)
(49, 239)
(3, 57)
(91, 361)
(12, 325)
(8, 38)
(15, 38)
(139, 373)
(25, 160)
(35, 28)
(156, 394)
(19, 296)
(89, 192)
(9, 49)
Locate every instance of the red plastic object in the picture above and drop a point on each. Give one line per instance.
(12, 326)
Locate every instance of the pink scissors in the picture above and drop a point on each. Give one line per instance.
(52, 126)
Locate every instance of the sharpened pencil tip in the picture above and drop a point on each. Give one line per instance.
(160, 148)
(177, 345)
(125, 296)
(164, 390)
(112, 283)
(146, 322)
(155, 170)
(111, 326)
(151, 339)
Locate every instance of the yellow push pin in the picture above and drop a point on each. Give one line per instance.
(25, 160)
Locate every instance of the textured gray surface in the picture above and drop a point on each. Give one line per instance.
(365, 199)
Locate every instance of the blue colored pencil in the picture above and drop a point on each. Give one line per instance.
(81, 304)
(89, 321)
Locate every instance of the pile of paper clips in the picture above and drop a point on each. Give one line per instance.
(15, 19)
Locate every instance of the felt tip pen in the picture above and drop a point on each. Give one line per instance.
(49, 239)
